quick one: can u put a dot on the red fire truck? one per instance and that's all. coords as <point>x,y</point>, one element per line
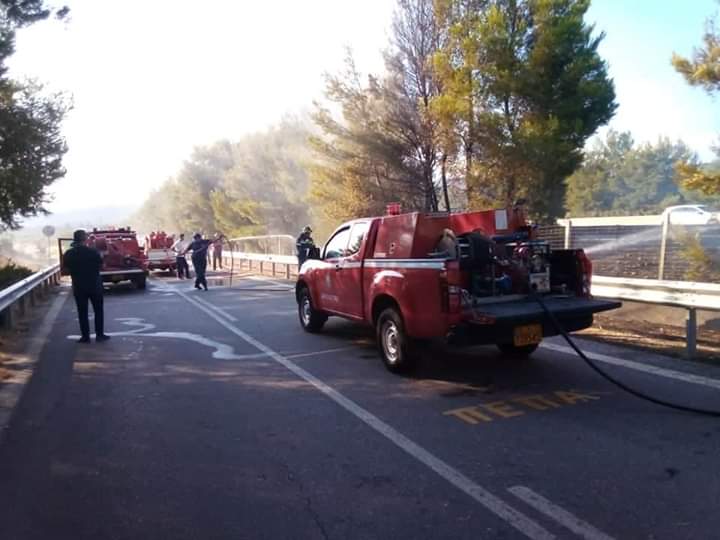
<point>468,278</point>
<point>158,252</point>
<point>123,259</point>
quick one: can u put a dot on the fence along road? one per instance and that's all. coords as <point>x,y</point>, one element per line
<point>18,296</point>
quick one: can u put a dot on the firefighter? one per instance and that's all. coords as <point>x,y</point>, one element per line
<point>84,264</point>
<point>304,245</point>
<point>199,248</point>
<point>217,253</point>
<point>179,247</point>
<point>447,245</point>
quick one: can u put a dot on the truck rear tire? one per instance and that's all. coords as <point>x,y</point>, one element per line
<point>311,319</point>
<point>508,349</point>
<point>396,347</point>
<point>140,282</point>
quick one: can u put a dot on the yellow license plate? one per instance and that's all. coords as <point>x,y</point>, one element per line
<point>527,335</point>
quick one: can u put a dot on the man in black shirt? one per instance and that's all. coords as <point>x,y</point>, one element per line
<point>304,245</point>
<point>84,265</point>
<point>199,248</point>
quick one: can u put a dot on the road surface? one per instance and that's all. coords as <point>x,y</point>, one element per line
<point>212,415</point>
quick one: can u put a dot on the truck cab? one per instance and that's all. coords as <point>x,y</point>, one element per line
<point>467,278</point>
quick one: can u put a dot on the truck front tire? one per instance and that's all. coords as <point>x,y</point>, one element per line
<point>311,319</point>
<point>396,347</point>
<point>508,349</point>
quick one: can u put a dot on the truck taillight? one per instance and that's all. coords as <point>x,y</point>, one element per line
<point>444,292</point>
<point>450,295</point>
<point>585,271</point>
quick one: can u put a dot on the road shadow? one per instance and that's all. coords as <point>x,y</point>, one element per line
<point>478,369</point>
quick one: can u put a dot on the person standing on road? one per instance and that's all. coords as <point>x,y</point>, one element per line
<point>84,264</point>
<point>217,252</point>
<point>199,248</point>
<point>304,245</point>
<point>179,247</point>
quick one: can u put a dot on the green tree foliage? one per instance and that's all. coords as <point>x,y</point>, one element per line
<point>256,185</point>
<point>361,161</point>
<point>385,145</point>
<point>523,89</point>
<point>12,273</point>
<point>31,144</point>
<point>620,177</point>
<point>702,70</point>
<point>702,266</point>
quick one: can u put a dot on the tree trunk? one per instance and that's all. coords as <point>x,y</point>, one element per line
<point>443,170</point>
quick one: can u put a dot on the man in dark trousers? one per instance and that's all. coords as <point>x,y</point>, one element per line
<point>84,265</point>
<point>179,247</point>
<point>304,244</point>
<point>199,248</point>
<point>217,253</point>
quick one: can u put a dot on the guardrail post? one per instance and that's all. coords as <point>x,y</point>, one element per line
<point>663,246</point>
<point>273,269</point>
<point>261,268</point>
<point>7,318</point>
<point>568,232</point>
<point>691,333</point>
<point>287,271</point>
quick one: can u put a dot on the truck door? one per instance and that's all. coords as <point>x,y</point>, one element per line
<point>348,276</point>
<point>63,245</point>
<point>328,273</point>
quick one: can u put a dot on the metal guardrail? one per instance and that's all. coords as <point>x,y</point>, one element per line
<point>266,243</point>
<point>284,266</point>
<point>683,294</point>
<point>16,297</point>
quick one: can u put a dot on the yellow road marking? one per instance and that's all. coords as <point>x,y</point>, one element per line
<point>519,406</point>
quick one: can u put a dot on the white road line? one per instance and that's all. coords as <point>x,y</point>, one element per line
<point>500,508</point>
<point>562,516</point>
<point>11,391</point>
<point>327,351</point>
<point>638,366</point>
<point>217,310</point>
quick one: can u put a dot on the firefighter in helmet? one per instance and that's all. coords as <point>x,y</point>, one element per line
<point>304,245</point>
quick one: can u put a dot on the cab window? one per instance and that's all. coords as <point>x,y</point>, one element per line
<point>357,236</point>
<point>337,245</point>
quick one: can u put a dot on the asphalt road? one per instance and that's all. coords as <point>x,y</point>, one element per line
<point>212,415</point>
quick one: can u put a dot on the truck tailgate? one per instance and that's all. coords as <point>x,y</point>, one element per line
<point>526,309</point>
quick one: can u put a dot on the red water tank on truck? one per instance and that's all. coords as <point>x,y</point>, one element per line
<point>468,278</point>
<point>123,259</point>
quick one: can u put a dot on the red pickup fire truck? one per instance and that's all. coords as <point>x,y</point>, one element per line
<point>468,278</point>
<point>123,260</point>
<point>158,252</point>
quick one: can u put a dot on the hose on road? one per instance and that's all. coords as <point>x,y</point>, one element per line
<point>637,393</point>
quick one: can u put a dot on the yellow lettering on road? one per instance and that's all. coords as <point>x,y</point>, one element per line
<point>573,397</point>
<point>502,409</point>
<point>537,402</point>
<point>471,415</point>
<point>510,408</point>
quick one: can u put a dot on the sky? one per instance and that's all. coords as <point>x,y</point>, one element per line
<point>152,79</point>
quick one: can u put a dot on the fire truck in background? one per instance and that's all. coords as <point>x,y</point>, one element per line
<point>467,278</point>
<point>158,252</point>
<point>123,258</point>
